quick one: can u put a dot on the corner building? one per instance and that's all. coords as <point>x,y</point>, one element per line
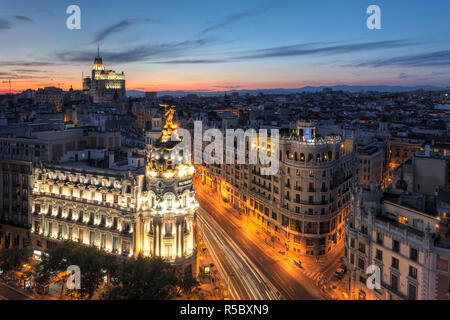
<point>304,205</point>
<point>147,211</point>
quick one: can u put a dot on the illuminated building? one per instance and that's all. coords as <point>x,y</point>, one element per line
<point>127,209</point>
<point>400,233</point>
<point>304,205</point>
<point>17,154</point>
<point>402,150</point>
<point>50,95</point>
<point>104,85</point>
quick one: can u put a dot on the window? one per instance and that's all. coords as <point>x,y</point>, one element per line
<point>413,254</point>
<point>379,238</point>
<point>412,272</point>
<point>412,292</point>
<point>352,242</point>
<point>379,255</point>
<point>361,264</point>
<point>103,241</point>
<point>395,263</point>
<point>394,282</point>
<point>363,229</point>
<point>403,220</point>
<point>395,246</point>
<point>362,248</point>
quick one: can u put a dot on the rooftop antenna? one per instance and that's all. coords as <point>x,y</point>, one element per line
<point>98,49</point>
<point>9,81</point>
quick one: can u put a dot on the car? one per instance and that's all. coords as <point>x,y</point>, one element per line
<point>339,274</point>
<point>298,264</point>
<point>342,269</point>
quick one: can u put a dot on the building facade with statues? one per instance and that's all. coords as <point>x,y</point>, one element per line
<point>141,208</point>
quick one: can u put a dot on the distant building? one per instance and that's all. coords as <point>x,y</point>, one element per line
<point>104,85</point>
<point>50,95</point>
<point>374,156</point>
<point>424,172</point>
<point>402,150</point>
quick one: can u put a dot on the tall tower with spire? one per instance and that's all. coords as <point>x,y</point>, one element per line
<point>104,85</point>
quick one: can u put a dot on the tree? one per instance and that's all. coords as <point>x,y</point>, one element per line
<point>94,265</point>
<point>188,287</point>
<point>151,279</point>
<point>13,258</point>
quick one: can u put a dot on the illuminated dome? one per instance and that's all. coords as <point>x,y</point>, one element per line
<point>168,202</point>
<point>164,160</point>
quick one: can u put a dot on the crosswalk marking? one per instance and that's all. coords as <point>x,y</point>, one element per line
<point>312,274</point>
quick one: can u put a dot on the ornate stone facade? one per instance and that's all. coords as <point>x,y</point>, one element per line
<point>304,205</point>
<point>142,211</point>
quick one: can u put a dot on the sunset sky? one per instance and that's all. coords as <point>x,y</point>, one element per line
<point>222,45</point>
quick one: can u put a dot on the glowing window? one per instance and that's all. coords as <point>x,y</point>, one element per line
<point>403,220</point>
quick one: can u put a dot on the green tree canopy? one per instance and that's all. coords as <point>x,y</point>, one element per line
<point>94,264</point>
<point>152,279</point>
<point>13,258</point>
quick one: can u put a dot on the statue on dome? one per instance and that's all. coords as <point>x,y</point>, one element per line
<point>169,126</point>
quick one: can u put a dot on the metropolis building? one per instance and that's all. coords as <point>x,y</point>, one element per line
<point>104,85</point>
<point>304,205</point>
<point>128,210</point>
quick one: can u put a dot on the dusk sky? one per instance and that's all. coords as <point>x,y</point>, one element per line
<point>223,45</point>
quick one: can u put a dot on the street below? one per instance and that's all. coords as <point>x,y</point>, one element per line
<point>282,275</point>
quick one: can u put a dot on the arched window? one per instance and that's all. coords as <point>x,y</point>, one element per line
<point>302,157</point>
<point>310,157</point>
<point>318,157</point>
<point>330,155</point>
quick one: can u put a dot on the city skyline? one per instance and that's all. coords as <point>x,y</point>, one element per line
<point>205,46</point>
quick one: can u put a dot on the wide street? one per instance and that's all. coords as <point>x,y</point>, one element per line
<point>6,293</point>
<point>243,278</point>
<point>285,277</point>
